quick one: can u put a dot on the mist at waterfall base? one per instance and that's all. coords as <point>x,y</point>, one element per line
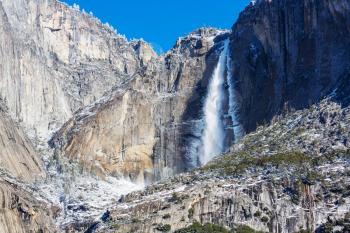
<point>214,133</point>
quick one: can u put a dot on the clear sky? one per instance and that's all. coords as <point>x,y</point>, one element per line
<point>161,22</point>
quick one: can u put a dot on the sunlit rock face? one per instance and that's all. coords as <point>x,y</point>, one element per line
<point>137,130</point>
<point>290,53</point>
<point>21,210</point>
<point>59,60</point>
<point>56,59</point>
<point>17,155</point>
<point>141,116</point>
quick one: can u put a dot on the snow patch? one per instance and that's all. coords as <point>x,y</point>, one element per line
<point>86,197</point>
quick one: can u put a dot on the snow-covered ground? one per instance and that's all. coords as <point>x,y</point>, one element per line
<point>84,198</point>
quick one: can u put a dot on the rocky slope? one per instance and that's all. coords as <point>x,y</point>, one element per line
<point>130,101</point>
<point>289,176</point>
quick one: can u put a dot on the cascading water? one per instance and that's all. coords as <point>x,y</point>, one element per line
<point>214,133</point>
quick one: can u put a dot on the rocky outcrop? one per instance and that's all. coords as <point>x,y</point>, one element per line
<point>22,211</point>
<point>263,203</point>
<point>295,185</point>
<point>54,60</point>
<point>290,53</point>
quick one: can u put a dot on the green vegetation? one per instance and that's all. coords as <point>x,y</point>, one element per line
<point>212,228</point>
<point>190,213</point>
<point>135,220</point>
<point>239,162</point>
<point>264,219</point>
<point>207,228</point>
<point>115,226</point>
<point>163,228</point>
<point>330,225</point>
<point>245,229</point>
<point>166,216</point>
<point>176,198</point>
<point>304,231</point>
<point>257,214</point>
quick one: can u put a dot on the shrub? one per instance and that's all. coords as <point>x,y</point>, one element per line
<point>240,162</point>
<point>207,228</point>
<point>175,198</point>
<point>245,229</point>
<point>264,219</point>
<point>304,231</point>
<point>257,214</point>
<point>115,226</point>
<point>163,228</point>
<point>190,212</point>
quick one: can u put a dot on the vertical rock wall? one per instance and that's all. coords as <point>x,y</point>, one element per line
<point>56,59</point>
<point>290,53</point>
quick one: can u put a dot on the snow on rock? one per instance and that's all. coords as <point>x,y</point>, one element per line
<point>83,198</point>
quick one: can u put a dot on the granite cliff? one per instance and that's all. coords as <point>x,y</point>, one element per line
<point>137,130</point>
<point>294,54</point>
<point>283,54</point>
<point>87,116</point>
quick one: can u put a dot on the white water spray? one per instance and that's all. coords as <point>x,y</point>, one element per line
<point>214,133</point>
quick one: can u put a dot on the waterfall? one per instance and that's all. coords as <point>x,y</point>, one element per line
<point>214,133</point>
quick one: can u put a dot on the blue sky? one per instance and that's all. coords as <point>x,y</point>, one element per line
<point>161,22</point>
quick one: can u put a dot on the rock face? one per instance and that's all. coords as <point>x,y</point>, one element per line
<point>79,102</point>
<point>290,53</point>
<point>59,60</point>
<point>17,154</point>
<point>137,131</point>
<point>56,59</point>
<point>271,181</point>
<point>283,53</point>
<point>20,211</point>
